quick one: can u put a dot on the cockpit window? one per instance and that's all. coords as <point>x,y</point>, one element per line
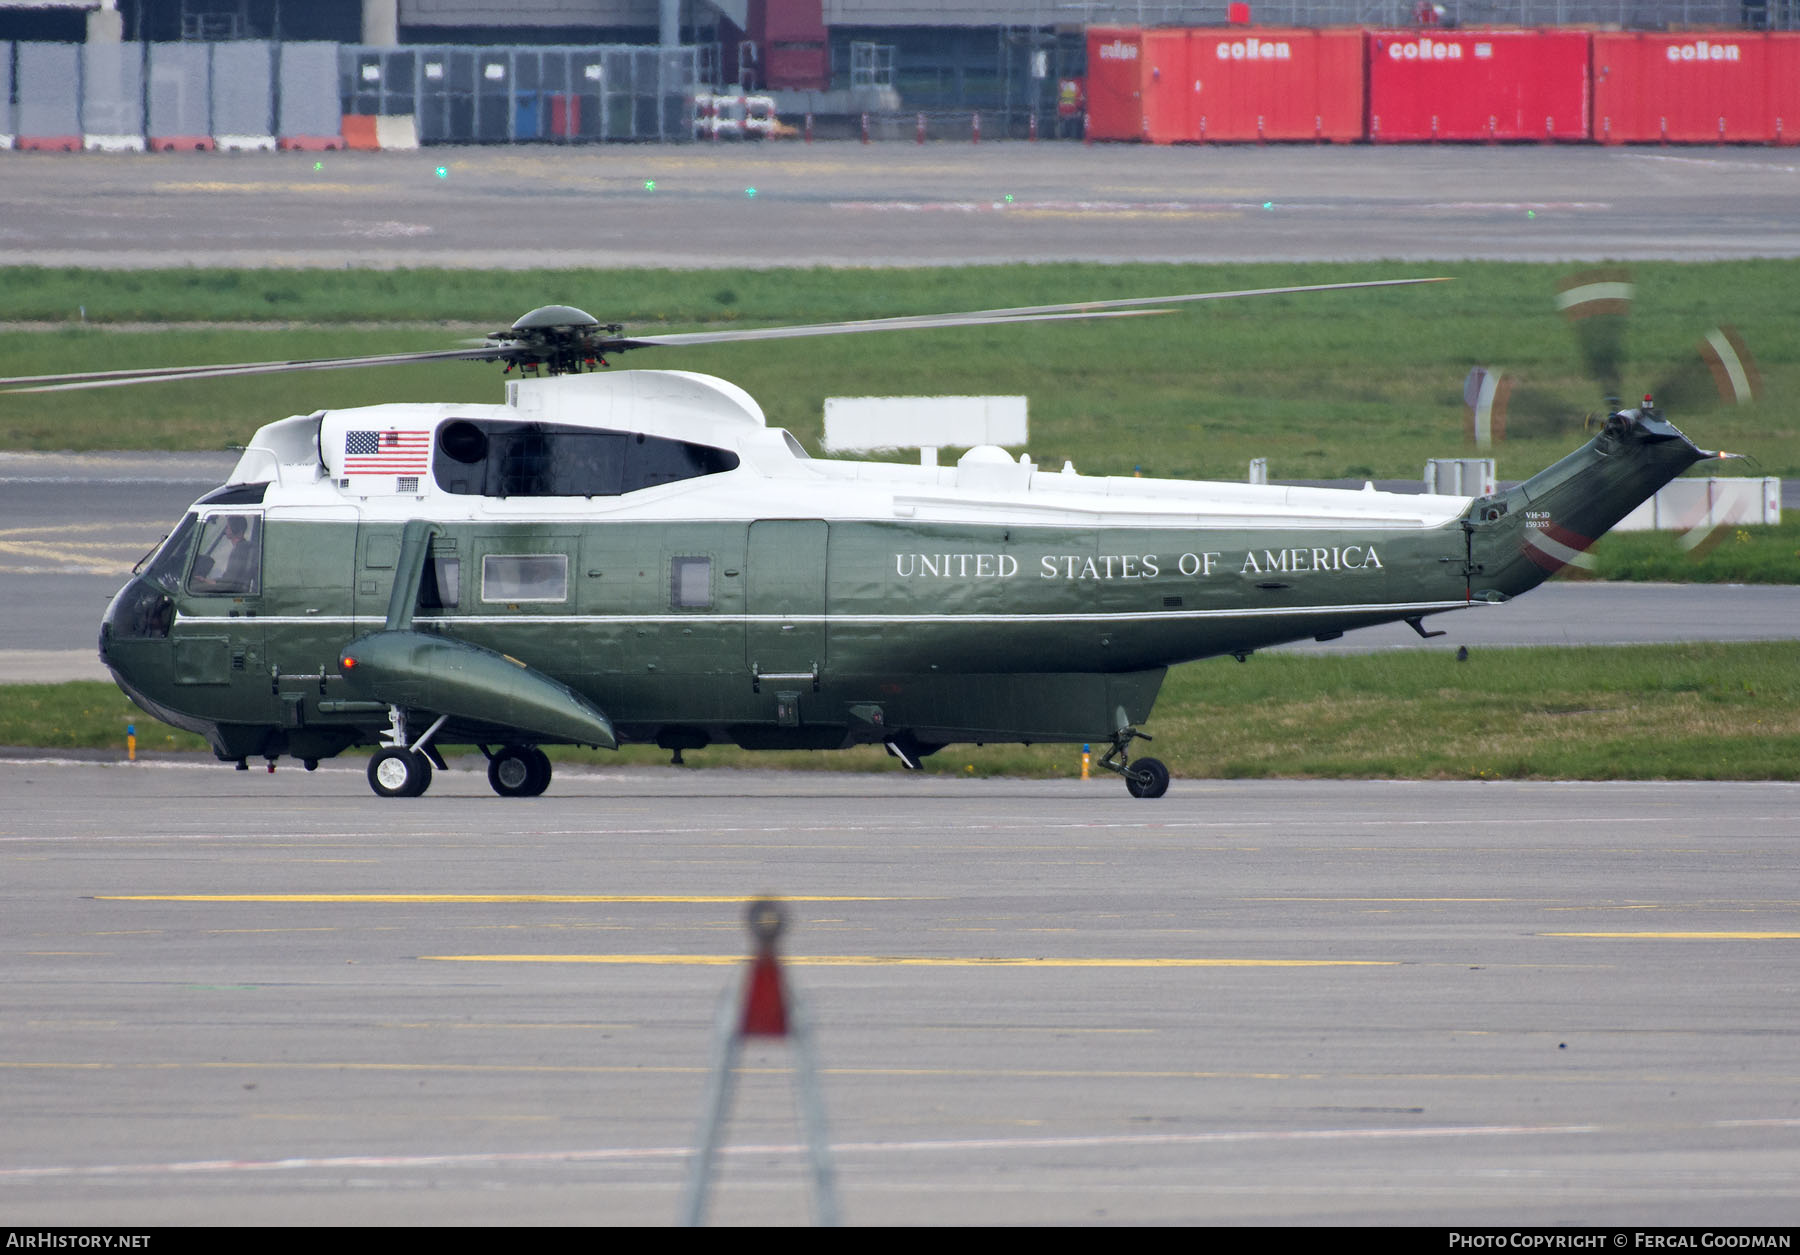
<point>165,566</point>
<point>501,458</point>
<point>229,560</point>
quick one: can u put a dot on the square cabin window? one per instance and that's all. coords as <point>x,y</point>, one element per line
<point>690,583</point>
<point>525,577</point>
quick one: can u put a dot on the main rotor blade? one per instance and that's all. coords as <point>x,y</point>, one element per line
<point>1115,308</point>
<point>989,317</point>
<point>1125,302</point>
<point>160,374</point>
<point>923,322</point>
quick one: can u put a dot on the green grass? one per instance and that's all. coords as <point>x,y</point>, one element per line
<point>1677,712</point>
<point>1730,555</point>
<point>1324,385</point>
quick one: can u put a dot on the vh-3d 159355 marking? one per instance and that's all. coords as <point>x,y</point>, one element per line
<point>636,556</point>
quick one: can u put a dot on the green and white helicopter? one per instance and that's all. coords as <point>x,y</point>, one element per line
<point>636,556</point>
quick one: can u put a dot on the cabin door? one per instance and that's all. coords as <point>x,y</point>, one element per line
<point>784,612</point>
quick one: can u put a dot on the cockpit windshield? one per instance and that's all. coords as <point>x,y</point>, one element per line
<point>165,565</point>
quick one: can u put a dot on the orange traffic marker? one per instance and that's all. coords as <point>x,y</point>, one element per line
<point>764,1007</point>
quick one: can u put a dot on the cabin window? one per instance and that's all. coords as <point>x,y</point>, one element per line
<point>229,560</point>
<point>525,577</point>
<point>502,458</point>
<point>690,583</point>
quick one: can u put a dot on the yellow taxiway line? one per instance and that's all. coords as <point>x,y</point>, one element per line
<point>1675,936</point>
<point>890,960</point>
<point>461,898</point>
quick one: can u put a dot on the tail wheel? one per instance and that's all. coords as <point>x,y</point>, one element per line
<point>1146,777</point>
<point>519,771</point>
<point>397,772</point>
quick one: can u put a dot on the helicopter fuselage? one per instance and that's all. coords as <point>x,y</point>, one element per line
<point>637,557</point>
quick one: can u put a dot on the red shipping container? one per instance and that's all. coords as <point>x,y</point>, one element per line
<point>1276,84</point>
<point>1691,88</point>
<point>1168,98</point>
<point>1115,108</point>
<point>1478,85</point>
<point>1784,87</point>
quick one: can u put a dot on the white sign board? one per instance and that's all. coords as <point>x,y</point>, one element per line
<point>861,423</point>
<point>1685,504</point>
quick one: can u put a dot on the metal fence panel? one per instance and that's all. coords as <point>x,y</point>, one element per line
<point>496,95</point>
<point>112,95</point>
<point>6,94</point>
<point>243,83</point>
<point>49,85</point>
<point>308,73</point>
<point>179,98</point>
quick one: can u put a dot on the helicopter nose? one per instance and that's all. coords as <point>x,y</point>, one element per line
<point>140,611</point>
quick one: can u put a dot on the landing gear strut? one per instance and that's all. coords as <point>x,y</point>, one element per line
<point>399,769</point>
<point>399,772</point>
<point>1147,777</point>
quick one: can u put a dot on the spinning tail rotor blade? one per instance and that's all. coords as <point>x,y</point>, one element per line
<point>1500,406</point>
<point>1596,304</point>
<point>1723,373</point>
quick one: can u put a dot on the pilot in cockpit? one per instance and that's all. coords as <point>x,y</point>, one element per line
<point>228,548</point>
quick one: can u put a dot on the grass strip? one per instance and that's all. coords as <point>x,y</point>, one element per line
<point>1327,385</point>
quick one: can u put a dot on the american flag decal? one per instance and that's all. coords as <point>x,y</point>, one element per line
<point>387,452</point>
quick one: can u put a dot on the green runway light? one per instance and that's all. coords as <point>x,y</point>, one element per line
<point>649,185</point>
<point>1268,204</point>
<point>443,172</point>
<point>1009,199</point>
<point>750,192</point>
<point>1531,213</point>
<point>318,165</point>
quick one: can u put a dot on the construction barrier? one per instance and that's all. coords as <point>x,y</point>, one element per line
<point>6,94</point>
<point>48,82</point>
<point>308,116</point>
<point>178,97</point>
<point>243,84</point>
<point>112,98</point>
<point>1161,85</point>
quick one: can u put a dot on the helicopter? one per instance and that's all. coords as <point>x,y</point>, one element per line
<point>635,556</point>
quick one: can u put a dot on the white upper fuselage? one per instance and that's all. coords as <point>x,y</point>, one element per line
<point>303,460</point>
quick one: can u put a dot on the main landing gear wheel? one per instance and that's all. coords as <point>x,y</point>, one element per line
<point>1146,777</point>
<point>519,771</point>
<point>397,772</point>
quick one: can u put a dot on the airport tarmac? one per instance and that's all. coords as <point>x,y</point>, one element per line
<point>896,204</point>
<point>241,998</point>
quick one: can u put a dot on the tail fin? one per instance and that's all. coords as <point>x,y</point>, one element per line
<point>1520,537</point>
